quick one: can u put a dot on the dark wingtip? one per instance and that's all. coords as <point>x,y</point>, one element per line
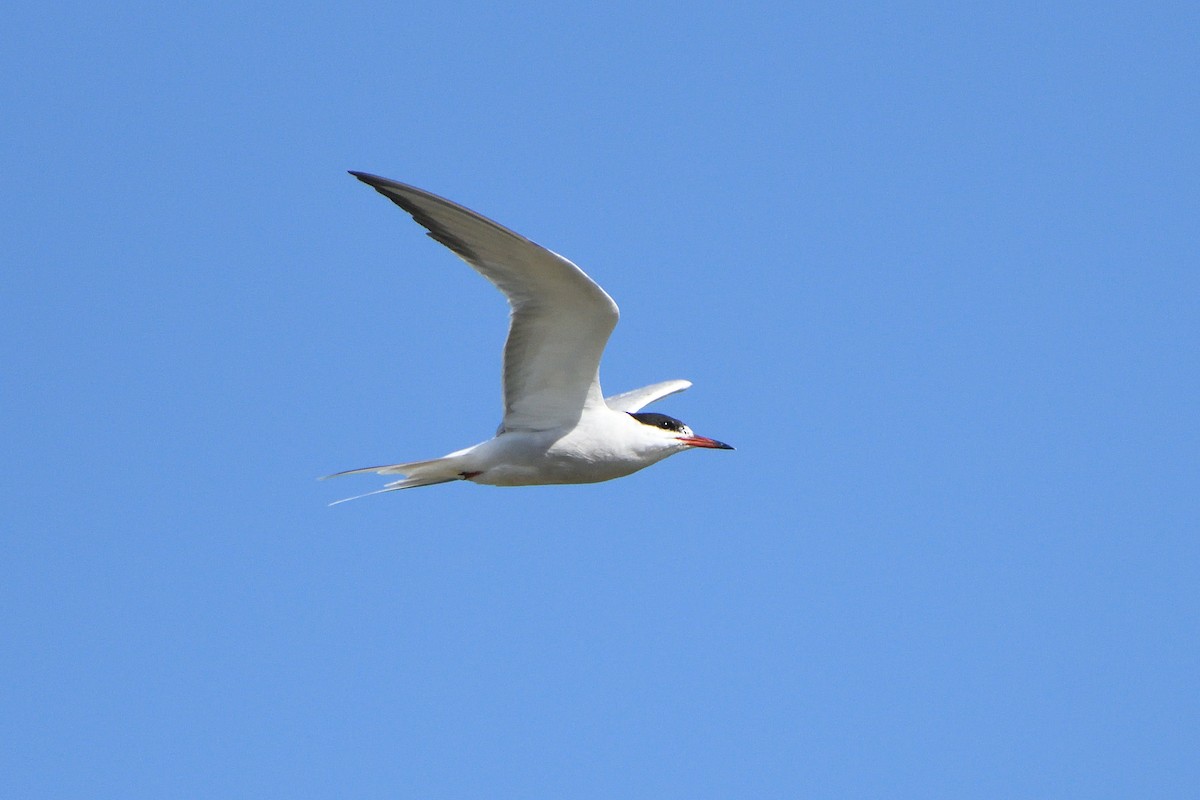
<point>366,177</point>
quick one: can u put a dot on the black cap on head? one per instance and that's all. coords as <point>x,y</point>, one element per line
<point>660,421</point>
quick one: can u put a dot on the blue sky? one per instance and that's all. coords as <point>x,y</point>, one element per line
<point>932,268</point>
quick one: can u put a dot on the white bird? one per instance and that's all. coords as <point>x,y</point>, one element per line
<point>558,427</point>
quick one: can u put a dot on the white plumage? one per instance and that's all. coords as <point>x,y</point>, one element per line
<point>558,427</point>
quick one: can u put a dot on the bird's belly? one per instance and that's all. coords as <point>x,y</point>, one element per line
<point>554,467</point>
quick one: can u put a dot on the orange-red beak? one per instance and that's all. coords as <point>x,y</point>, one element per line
<point>704,441</point>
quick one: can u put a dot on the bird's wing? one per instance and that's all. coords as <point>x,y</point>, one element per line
<point>561,318</point>
<point>638,399</point>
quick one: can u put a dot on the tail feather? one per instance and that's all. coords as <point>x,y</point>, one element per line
<point>409,468</point>
<point>418,473</point>
<point>395,486</point>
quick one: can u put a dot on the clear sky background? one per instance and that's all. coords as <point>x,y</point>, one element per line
<point>932,268</point>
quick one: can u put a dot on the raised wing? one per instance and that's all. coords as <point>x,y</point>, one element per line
<point>638,399</point>
<point>561,319</point>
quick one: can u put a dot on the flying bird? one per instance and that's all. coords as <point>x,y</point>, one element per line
<point>558,426</point>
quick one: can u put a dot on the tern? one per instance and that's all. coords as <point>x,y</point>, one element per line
<point>558,426</point>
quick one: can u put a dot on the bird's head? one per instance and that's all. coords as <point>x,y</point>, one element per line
<point>674,434</point>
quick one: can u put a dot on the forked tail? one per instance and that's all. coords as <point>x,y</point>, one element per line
<point>417,473</point>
